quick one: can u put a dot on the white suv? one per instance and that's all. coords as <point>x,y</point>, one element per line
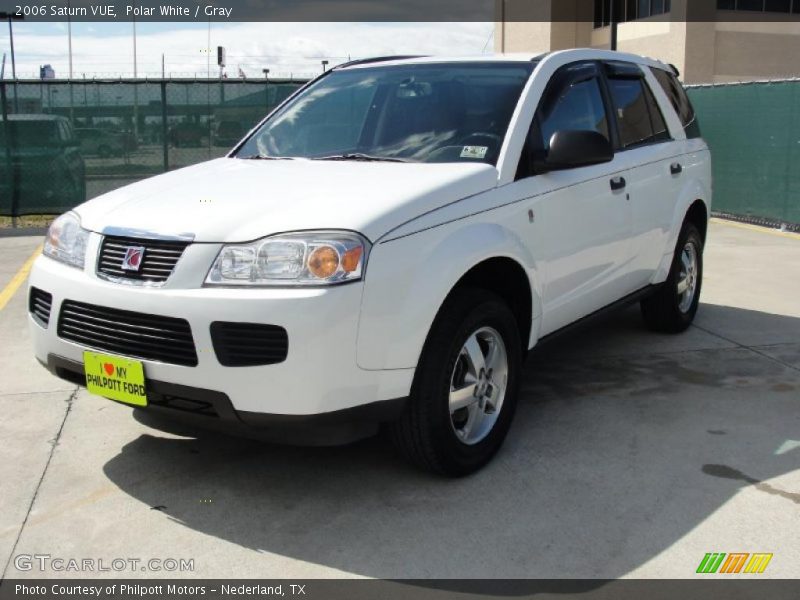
<point>384,248</point>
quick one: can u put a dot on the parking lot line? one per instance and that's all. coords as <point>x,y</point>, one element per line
<point>18,279</point>
<point>758,228</point>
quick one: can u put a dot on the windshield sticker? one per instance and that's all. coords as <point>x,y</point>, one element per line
<point>474,152</point>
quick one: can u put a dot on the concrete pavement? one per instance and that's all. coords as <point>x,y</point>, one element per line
<point>632,455</point>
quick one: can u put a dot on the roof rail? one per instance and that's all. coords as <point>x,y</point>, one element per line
<point>377,59</point>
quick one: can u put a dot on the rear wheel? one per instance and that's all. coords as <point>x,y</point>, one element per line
<point>673,308</point>
<point>465,389</point>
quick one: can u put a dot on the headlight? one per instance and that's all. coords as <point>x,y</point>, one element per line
<point>66,240</point>
<point>303,258</point>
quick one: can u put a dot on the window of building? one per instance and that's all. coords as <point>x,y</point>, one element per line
<point>771,6</point>
<point>628,10</point>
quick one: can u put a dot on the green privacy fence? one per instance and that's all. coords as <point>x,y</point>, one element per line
<point>62,142</point>
<point>753,130</point>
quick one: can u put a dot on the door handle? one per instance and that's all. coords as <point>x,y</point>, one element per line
<point>676,168</point>
<point>618,183</point>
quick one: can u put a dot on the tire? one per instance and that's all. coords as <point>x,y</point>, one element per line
<point>669,310</point>
<point>461,443</point>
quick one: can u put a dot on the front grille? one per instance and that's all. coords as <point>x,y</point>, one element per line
<point>249,344</point>
<point>138,335</point>
<point>158,262</point>
<point>39,305</point>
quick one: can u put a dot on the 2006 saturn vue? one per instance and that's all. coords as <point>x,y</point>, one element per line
<point>384,248</point>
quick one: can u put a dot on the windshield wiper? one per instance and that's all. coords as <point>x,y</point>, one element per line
<point>363,157</point>
<point>265,157</point>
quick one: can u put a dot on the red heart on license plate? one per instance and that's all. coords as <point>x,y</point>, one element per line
<point>109,368</point>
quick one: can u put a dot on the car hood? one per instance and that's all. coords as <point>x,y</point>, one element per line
<point>236,200</point>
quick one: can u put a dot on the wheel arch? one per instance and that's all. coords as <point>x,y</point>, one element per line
<point>694,206</point>
<point>697,214</point>
<point>507,278</point>
<point>409,279</point>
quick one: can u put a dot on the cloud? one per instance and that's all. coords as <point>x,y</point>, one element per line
<point>284,48</point>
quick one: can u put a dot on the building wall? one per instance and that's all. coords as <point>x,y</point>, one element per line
<point>705,44</point>
<point>751,51</point>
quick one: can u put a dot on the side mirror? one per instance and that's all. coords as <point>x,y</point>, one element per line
<point>570,149</point>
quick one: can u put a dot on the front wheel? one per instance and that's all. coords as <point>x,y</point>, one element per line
<point>672,309</point>
<point>465,389</point>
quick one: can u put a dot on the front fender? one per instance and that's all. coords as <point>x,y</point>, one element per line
<point>408,279</point>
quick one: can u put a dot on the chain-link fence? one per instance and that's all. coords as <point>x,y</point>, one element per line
<point>63,142</point>
<point>753,130</point>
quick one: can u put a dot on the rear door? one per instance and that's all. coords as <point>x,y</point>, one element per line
<point>652,156</point>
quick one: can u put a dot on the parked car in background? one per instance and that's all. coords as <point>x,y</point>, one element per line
<point>47,172</point>
<point>384,249</point>
<point>187,135</point>
<point>228,133</point>
<point>104,142</point>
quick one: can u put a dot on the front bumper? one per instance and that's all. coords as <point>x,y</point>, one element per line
<point>213,410</point>
<point>320,374</point>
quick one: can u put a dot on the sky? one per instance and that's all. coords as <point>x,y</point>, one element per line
<point>297,49</point>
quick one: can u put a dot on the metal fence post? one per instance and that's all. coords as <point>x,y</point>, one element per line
<point>13,180</point>
<point>164,140</point>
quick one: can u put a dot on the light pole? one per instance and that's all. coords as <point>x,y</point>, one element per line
<point>71,87</point>
<point>134,48</point>
<point>11,17</point>
<point>614,24</point>
<point>135,88</point>
<point>266,87</point>
<point>69,39</point>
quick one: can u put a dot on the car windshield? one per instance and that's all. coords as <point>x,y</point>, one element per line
<point>456,112</point>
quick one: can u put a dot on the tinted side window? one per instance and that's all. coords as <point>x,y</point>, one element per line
<point>659,125</point>
<point>578,107</point>
<point>680,101</point>
<point>633,114</point>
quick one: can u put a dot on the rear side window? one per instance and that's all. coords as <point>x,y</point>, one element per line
<point>660,131</point>
<point>680,101</point>
<point>638,118</point>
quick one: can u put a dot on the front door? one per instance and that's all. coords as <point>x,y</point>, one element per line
<point>583,220</point>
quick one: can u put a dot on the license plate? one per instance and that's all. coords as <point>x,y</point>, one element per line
<point>120,379</point>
